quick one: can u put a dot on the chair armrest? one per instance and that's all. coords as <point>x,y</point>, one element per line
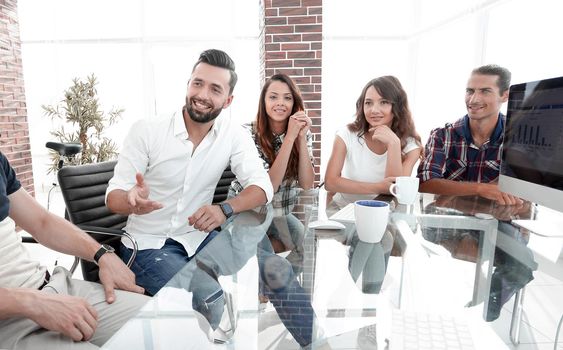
<point>95,230</point>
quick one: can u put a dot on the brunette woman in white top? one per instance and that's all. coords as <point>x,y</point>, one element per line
<point>378,146</point>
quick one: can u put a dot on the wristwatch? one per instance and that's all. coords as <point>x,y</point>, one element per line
<point>226,209</point>
<point>105,248</point>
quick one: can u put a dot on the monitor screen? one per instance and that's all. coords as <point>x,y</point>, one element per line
<point>532,157</point>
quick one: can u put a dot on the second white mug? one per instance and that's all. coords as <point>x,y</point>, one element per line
<point>405,189</point>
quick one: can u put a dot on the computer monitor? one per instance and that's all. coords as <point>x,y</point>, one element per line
<point>532,156</point>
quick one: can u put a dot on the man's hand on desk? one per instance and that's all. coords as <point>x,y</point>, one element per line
<point>473,205</point>
<point>138,198</point>
<point>207,218</point>
<point>508,212</point>
<point>492,192</point>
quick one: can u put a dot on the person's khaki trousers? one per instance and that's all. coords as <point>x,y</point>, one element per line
<point>20,333</point>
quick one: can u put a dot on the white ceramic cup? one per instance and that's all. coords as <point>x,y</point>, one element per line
<point>371,219</point>
<point>405,189</point>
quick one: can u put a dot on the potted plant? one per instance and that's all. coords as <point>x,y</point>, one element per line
<point>81,109</point>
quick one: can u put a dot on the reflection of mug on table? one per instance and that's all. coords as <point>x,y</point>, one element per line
<point>371,219</point>
<point>405,189</point>
<point>369,260</point>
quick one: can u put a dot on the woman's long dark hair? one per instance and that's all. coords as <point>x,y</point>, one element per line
<point>264,131</point>
<point>389,88</point>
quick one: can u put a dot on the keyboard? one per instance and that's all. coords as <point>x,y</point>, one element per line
<point>420,331</point>
<point>345,214</point>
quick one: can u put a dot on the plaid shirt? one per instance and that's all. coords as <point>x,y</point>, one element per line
<point>286,196</point>
<point>451,154</point>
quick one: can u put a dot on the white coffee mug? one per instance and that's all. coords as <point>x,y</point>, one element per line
<point>371,219</point>
<point>405,189</point>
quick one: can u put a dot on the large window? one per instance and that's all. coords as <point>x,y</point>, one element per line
<point>431,46</point>
<point>142,52</point>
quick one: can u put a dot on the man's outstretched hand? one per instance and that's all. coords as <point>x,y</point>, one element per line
<point>138,198</point>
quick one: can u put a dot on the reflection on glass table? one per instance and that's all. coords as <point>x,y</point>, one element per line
<point>268,281</point>
<point>271,258</point>
<point>512,261</point>
<point>197,306</point>
<point>370,261</point>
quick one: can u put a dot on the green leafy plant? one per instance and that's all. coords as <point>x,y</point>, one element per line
<point>81,109</point>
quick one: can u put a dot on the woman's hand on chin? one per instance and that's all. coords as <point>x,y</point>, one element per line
<point>385,135</point>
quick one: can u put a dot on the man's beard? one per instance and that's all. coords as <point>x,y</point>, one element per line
<point>201,117</point>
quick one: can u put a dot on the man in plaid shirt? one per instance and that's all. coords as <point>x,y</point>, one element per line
<point>463,158</point>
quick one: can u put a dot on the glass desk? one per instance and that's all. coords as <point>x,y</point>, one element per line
<point>267,281</point>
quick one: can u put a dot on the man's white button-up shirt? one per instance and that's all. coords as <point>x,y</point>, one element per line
<point>181,179</point>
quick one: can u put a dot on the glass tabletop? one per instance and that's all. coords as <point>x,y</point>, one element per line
<point>268,281</point>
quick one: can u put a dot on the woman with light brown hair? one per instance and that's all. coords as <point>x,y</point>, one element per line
<point>381,144</point>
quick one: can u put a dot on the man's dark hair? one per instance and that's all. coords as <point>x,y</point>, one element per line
<point>502,73</point>
<point>219,59</point>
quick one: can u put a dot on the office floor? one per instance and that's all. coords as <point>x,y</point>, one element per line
<point>543,307</point>
<point>543,302</point>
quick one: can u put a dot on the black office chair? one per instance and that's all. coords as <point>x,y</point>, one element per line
<point>222,189</point>
<point>84,187</point>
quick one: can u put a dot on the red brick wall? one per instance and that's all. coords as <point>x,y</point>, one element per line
<point>291,43</point>
<point>14,132</point>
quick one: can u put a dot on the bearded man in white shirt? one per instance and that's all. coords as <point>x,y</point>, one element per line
<point>168,170</point>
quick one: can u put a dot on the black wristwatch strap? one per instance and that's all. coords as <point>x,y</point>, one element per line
<point>105,248</point>
<point>226,209</point>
